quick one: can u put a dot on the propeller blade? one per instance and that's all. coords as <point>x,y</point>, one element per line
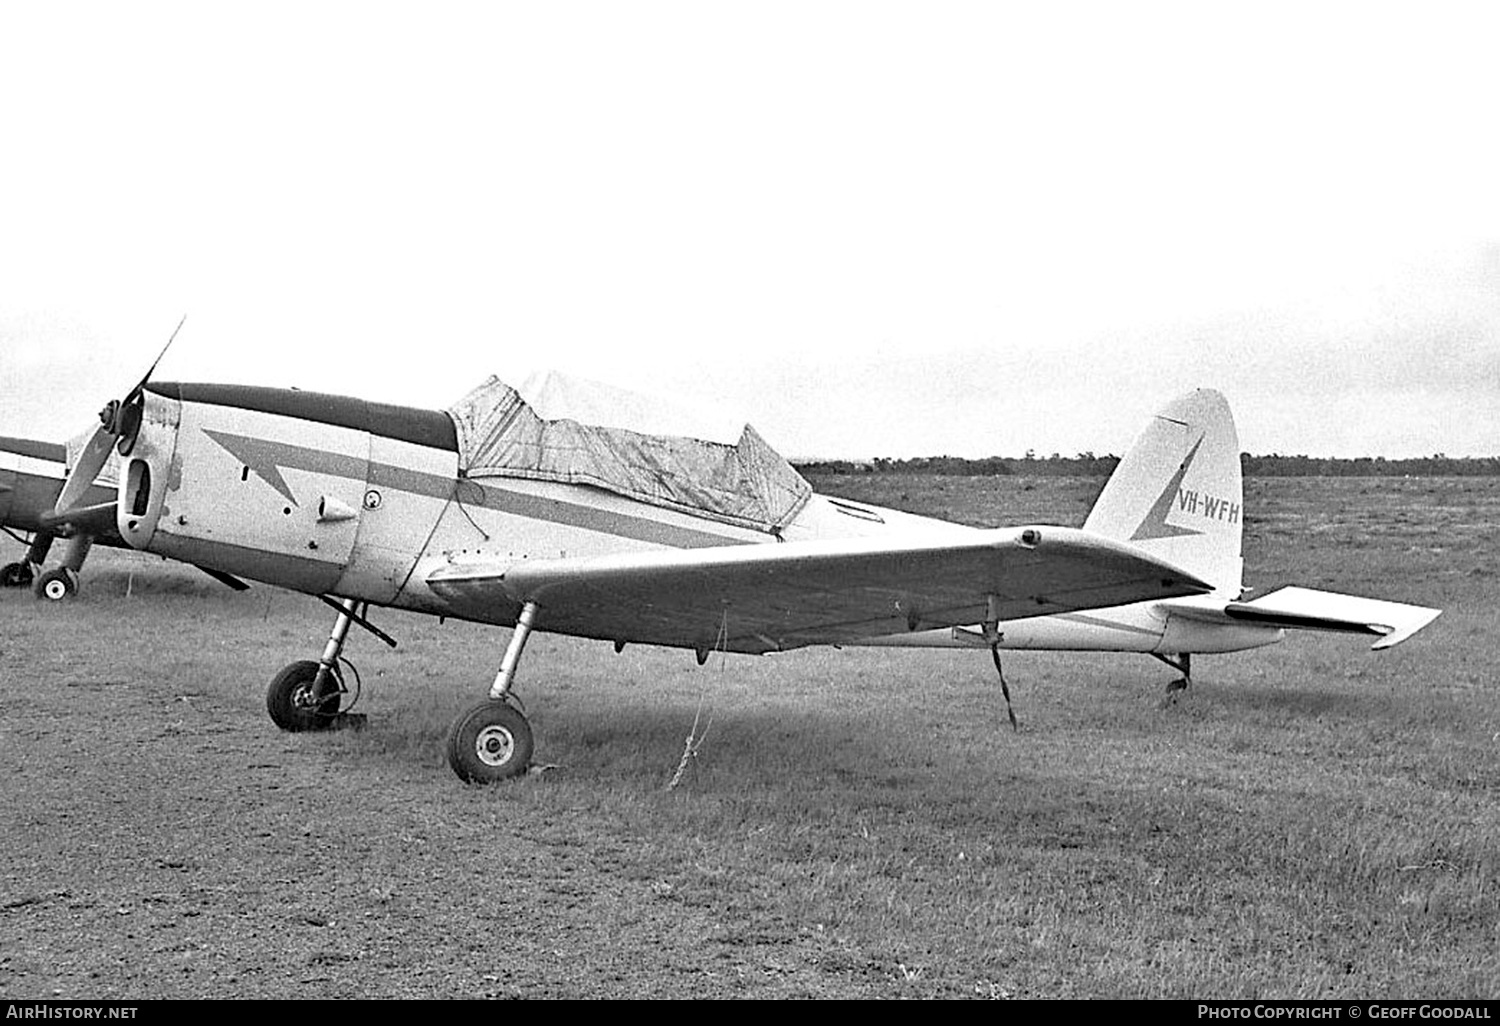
<point>90,462</point>
<point>140,386</point>
<point>96,521</point>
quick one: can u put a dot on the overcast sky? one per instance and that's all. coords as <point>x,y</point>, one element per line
<point>869,228</point>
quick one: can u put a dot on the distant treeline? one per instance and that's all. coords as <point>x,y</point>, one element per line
<point>1086,464</point>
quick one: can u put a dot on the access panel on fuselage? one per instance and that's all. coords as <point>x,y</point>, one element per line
<point>264,496</point>
<point>408,488</point>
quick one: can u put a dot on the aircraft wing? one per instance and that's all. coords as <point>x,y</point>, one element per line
<point>1308,608</point>
<point>770,596</point>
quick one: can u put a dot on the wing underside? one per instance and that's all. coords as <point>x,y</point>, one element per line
<point>767,597</point>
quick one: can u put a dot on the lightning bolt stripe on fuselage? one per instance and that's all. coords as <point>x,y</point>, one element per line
<point>333,495</point>
<point>266,459</point>
<point>429,428</point>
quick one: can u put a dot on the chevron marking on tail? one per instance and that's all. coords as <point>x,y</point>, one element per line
<point>1155,523</point>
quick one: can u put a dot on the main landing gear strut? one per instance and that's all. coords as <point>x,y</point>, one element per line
<point>61,582</point>
<point>306,695</point>
<point>492,741</point>
<point>21,574</point>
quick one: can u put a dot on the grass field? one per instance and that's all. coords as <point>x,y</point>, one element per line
<point>1311,820</point>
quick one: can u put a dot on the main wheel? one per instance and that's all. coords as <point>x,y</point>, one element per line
<point>490,742</point>
<point>56,584</point>
<point>15,575</point>
<point>293,705</point>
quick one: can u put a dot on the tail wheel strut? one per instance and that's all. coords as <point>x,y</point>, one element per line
<point>1183,664</point>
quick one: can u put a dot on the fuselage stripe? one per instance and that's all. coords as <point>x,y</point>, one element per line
<point>1114,625</point>
<point>267,459</point>
<point>592,518</point>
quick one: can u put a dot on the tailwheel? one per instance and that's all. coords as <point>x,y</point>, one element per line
<point>298,702</point>
<point>56,584</point>
<point>490,742</point>
<point>1182,664</point>
<point>16,575</point>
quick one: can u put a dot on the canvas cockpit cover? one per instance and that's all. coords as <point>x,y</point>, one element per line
<point>746,482</point>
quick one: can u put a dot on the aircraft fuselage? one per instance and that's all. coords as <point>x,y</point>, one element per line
<point>361,500</point>
<point>339,496</point>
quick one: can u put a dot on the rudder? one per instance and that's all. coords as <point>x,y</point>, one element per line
<point>1178,493</point>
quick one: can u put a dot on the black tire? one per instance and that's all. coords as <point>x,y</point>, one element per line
<point>56,584</point>
<point>15,575</point>
<point>489,743</point>
<point>292,704</point>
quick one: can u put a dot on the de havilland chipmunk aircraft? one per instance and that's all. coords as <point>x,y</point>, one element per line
<point>32,473</point>
<point>538,514</point>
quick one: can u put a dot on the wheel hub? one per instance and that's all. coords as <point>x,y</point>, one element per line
<point>494,746</point>
<point>306,698</point>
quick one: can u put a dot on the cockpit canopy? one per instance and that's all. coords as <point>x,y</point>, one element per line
<point>582,441</point>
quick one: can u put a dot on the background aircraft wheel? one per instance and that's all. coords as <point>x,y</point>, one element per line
<point>292,704</point>
<point>15,575</point>
<point>490,742</point>
<point>56,584</point>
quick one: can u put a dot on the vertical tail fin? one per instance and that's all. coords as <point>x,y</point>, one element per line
<point>1178,494</point>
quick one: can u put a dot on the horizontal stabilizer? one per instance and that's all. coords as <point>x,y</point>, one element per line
<point>1310,609</point>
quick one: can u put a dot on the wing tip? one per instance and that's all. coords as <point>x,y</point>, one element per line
<point>1394,634</point>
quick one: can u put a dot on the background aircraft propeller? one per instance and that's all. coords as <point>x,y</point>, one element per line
<point>119,423</point>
